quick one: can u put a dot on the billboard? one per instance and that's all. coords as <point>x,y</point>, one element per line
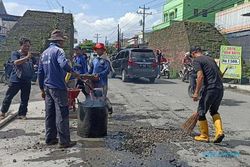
<point>231,58</point>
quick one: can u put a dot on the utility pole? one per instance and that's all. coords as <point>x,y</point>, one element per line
<point>122,43</point>
<point>97,36</point>
<point>118,38</point>
<point>144,13</point>
<point>106,40</point>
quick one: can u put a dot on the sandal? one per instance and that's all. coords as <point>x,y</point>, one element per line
<point>2,116</point>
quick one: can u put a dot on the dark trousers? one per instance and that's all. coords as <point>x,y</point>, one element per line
<point>210,100</point>
<point>13,89</point>
<point>57,115</point>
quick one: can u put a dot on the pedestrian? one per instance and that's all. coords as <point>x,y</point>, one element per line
<point>158,59</point>
<point>209,75</point>
<point>51,73</point>
<point>20,79</point>
<point>105,56</point>
<point>101,67</point>
<point>80,66</point>
<point>79,61</point>
<point>84,53</point>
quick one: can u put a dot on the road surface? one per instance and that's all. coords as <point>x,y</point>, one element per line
<point>143,131</point>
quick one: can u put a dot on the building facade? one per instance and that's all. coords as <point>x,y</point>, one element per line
<point>234,23</point>
<point>193,10</point>
<point>6,21</point>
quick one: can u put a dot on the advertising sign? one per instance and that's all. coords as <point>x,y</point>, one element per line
<point>230,57</point>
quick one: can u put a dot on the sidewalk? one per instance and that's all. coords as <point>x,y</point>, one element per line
<point>22,143</point>
<point>237,86</point>
<point>13,111</point>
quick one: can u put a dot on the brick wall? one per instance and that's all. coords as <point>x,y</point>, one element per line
<point>37,26</point>
<point>176,40</point>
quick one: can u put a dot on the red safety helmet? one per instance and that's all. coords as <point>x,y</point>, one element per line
<point>99,46</point>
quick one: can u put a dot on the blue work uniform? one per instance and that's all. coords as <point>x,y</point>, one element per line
<point>80,64</point>
<point>17,84</point>
<point>51,73</point>
<point>101,67</point>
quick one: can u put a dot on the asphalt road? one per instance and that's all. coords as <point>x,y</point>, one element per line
<point>143,131</point>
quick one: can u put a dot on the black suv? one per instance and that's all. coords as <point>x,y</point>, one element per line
<point>135,63</point>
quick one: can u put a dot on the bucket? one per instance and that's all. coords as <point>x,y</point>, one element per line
<point>92,119</point>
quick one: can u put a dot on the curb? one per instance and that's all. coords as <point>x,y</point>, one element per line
<point>8,118</point>
<point>239,87</point>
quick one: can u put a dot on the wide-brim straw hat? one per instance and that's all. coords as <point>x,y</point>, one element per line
<point>57,35</point>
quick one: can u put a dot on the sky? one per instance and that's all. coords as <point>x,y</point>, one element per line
<point>96,16</point>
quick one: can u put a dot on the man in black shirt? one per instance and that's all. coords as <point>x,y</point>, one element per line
<point>208,73</point>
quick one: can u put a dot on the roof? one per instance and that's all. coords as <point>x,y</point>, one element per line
<point>137,49</point>
<point>7,17</point>
<point>2,8</point>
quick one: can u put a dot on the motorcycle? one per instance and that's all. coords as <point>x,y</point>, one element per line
<point>165,70</point>
<point>192,84</point>
<point>185,72</point>
<point>7,69</point>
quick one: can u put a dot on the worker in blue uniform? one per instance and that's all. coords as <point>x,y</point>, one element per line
<point>101,68</point>
<point>80,66</point>
<point>53,67</point>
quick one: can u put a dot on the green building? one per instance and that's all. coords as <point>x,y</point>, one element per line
<point>193,10</point>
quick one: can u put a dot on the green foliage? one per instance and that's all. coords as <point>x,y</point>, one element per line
<point>173,73</point>
<point>246,70</point>
<point>110,49</point>
<point>87,45</point>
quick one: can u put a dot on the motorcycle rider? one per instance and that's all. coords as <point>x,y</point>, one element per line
<point>158,59</point>
<point>186,62</point>
<point>208,73</point>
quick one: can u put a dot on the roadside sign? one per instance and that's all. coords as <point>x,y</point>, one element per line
<point>230,57</point>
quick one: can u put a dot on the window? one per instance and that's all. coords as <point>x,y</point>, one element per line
<point>240,2</point>
<point>166,17</point>
<point>175,13</point>
<point>196,12</point>
<point>204,13</point>
<point>122,55</point>
<point>118,56</point>
<point>127,54</point>
<point>171,16</point>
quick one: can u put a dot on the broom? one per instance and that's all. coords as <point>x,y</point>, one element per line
<point>189,125</point>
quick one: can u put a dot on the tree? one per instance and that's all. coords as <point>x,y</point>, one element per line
<point>87,45</point>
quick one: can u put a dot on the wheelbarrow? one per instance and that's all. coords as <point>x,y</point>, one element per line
<point>72,95</point>
<point>74,92</point>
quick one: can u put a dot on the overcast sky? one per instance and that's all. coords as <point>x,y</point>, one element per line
<point>96,16</point>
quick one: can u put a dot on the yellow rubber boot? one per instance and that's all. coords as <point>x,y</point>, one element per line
<point>219,134</point>
<point>203,137</point>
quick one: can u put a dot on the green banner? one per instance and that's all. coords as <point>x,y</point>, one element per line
<point>231,58</point>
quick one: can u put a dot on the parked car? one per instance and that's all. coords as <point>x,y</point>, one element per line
<point>134,63</point>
